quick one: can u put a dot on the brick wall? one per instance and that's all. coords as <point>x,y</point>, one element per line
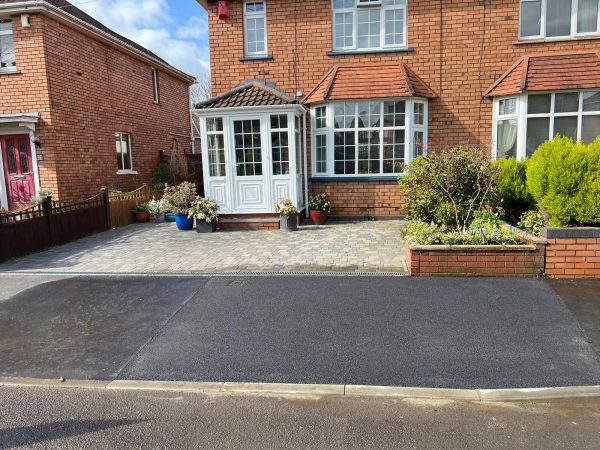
<point>86,91</point>
<point>460,48</point>
<point>465,260</point>
<point>572,252</point>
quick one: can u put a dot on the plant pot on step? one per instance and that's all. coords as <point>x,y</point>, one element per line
<point>318,217</point>
<point>288,222</point>
<point>183,223</point>
<point>159,218</point>
<point>206,227</point>
<point>141,217</point>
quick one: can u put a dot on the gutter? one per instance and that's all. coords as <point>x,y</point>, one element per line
<point>38,6</point>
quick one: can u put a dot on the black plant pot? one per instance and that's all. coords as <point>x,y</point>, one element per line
<point>288,222</point>
<point>206,227</point>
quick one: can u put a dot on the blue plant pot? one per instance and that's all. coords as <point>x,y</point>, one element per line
<point>170,217</point>
<point>183,223</point>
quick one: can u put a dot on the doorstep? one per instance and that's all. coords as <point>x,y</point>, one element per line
<point>245,224</point>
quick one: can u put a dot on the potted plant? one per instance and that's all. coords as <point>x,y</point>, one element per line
<point>158,208</point>
<point>288,214</point>
<point>206,213</point>
<point>319,209</point>
<point>141,213</point>
<point>180,198</point>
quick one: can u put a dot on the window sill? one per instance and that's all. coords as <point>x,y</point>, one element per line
<point>369,52</point>
<point>556,39</point>
<point>127,172</point>
<point>9,71</point>
<point>256,58</point>
<point>345,179</point>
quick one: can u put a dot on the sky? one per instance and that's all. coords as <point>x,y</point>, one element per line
<point>176,30</point>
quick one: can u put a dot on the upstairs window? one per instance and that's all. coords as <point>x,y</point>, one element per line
<point>559,18</point>
<point>7,47</point>
<point>255,28</point>
<point>155,89</point>
<point>369,24</point>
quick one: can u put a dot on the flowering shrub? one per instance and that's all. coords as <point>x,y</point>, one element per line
<point>181,197</point>
<point>285,207</point>
<point>421,233</point>
<point>41,195</point>
<point>532,222</point>
<point>320,202</point>
<point>205,209</point>
<point>158,206</point>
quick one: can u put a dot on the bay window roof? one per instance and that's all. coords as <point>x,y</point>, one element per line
<point>369,81</point>
<point>549,72</point>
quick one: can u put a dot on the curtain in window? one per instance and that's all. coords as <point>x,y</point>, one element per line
<point>587,16</point>
<point>507,138</point>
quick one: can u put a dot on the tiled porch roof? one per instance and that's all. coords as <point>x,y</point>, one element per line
<point>249,94</point>
<point>547,72</point>
<point>369,81</point>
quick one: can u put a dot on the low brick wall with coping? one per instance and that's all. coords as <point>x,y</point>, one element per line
<point>572,252</point>
<point>525,260</point>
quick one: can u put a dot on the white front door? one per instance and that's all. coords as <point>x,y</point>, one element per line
<point>251,178</point>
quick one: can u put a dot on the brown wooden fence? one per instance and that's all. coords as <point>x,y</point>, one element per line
<point>122,203</point>
<point>52,223</point>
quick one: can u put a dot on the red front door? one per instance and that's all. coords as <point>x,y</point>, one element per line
<point>18,170</point>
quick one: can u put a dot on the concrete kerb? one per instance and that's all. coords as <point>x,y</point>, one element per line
<point>316,390</point>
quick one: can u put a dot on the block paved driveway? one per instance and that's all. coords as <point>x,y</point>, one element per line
<point>399,331</point>
<point>161,248</point>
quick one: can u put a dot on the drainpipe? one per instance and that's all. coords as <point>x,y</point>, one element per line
<point>305,167</point>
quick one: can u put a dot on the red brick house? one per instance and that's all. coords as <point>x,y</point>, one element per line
<point>379,82</point>
<point>71,92</point>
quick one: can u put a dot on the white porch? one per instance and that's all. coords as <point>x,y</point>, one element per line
<point>253,150</point>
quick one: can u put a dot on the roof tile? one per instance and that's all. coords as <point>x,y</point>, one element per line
<point>249,94</point>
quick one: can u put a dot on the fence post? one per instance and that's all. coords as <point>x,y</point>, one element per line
<point>47,208</point>
<point>106,197</point>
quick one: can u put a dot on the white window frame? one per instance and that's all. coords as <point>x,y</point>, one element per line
<point>373,4</point>
<point>522,116</point>
<point>9,32</point>
<point>573,32</point>
<point>218,163</point>
<point>155,86</point>
<point>122,135</point>
<point>329,131</point>
<point>254,15</point>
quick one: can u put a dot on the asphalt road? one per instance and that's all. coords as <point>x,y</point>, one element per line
<point>438,332</point>
<point>61,418</point>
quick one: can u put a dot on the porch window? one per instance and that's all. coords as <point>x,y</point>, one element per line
<point>368,137</point>
<point>369,24</point>
<point>280,147</point>
<point>255,28</point>
<point>559,18</point>
<point>248,147</point>
<point>523,123</point>
<point>123,144</point>
<point>7,47</point>
<point>215,144</point>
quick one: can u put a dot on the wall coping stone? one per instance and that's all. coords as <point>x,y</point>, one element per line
<point>482,248</point>
<point>571,233</point>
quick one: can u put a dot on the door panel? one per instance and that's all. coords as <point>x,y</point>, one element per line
<point>18,170</point>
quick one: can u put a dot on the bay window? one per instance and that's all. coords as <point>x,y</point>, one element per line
<point>255,28</point>
<point>368,138</point>
<point>369,24</point>
<point>7,47</point>
<point>522,123</point>
<point>559,18</point>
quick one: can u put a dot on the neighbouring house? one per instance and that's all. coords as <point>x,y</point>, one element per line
<point>337,96</point>
<point>81,107</point>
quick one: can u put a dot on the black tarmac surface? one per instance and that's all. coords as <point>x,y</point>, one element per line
<point>439,332</point>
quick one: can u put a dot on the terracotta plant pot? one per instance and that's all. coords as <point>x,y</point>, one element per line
<point>318,217</point>
<point>141,217</point>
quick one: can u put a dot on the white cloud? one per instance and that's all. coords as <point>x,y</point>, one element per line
<point>151,24</point>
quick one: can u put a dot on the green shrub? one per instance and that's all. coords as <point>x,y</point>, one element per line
<point>161,175</point>
<point>512,188</point>
<point>565,176</point>
<point>420,233</point>
<point>450,188</point>
<point>532,222</point>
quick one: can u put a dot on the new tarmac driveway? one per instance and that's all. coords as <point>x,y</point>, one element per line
<point>439,332</point>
